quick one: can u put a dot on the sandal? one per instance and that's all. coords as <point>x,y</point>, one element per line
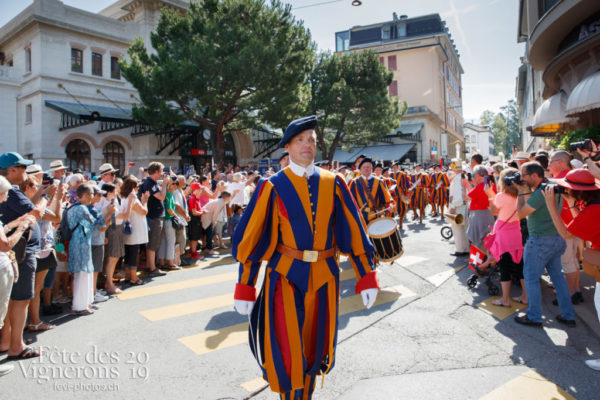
<point>42,326</point>
<point>499,304</point>
<point>139,282</point>
<point>519,300</point>
<point>25,354</point>
<point>114,291</point>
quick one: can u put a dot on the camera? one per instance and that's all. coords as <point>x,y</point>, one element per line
<point>516,179</point>
<point>583,145</point>
<point>557,188</point>
<point>469,176</point>
<point>47,180</point>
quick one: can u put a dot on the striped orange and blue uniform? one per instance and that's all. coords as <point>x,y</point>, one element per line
<point>439,196</point>
<point>418,197</point>
<point>294,322</point>
<point>379,192</point>
<point>402,185</point>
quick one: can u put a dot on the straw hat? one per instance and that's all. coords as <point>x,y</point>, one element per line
<point>106,168</point>
<point>56,165</point>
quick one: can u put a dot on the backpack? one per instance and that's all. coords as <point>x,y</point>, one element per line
<point>63,233</point>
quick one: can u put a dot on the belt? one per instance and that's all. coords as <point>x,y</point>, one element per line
<point>306,255</point>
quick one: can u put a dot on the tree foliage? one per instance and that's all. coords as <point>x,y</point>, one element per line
<point>577,135</point>
<point>349,93</point>
<point>225,64</point>
<point>505,126</point>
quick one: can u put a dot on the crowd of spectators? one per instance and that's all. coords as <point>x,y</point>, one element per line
<point>68,243</point>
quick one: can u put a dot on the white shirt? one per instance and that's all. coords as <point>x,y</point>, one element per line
<point>300,170</point>
<point>456,191</point>
<point>103,203</point>
<point>211,212</point>
<point>139,227</point>
<point>239,197</point>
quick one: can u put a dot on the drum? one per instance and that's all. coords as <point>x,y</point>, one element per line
<point>386,239</point>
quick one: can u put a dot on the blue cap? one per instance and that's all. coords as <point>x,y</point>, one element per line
<point>11,159</point>
<point>296,127</point>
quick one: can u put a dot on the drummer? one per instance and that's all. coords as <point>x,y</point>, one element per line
<point>357,165</point>
<point>370,192</point>
<point>399,191</point>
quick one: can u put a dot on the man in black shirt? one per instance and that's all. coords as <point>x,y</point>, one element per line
<point>13,166</point>
<point>156,213</point>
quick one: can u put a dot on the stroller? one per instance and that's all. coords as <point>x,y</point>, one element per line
<point>491,274</point>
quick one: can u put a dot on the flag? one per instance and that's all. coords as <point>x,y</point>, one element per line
<point>476,257</point>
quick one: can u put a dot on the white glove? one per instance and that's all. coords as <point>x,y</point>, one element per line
<point>369,296</point>
<point>243,307</point>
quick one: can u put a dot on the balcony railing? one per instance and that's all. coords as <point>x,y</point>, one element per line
<point>8,73</point>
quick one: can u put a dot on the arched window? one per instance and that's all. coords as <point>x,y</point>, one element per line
<point>78,155</point>
<point>114,153</point>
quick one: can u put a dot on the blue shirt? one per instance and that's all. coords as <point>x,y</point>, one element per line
<point>16,205</point>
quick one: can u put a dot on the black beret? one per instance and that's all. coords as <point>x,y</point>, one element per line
<point>298,126</point>
<point>385,170</point>
<point>285,153</point>
<point>365,160</point>
<point>378,166</point>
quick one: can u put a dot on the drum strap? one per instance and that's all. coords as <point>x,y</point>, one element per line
<point>368,192</point>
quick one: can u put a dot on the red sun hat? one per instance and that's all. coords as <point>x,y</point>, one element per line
<point>195,186</point>
<point>579,179</point>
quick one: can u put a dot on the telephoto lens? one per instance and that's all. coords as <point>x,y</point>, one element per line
<point>583,145</point>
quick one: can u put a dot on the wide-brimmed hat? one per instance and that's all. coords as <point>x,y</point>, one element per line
<point>56,165</point>
<point>34,169</point>
<point>106,168</point>
<point>579,179</point>
<point>521,155</point>
<point>97,190</point>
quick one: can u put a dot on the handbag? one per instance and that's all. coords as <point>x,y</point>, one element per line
<point>177,223</point>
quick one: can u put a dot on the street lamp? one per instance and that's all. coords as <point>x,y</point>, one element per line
<point>356,3</point>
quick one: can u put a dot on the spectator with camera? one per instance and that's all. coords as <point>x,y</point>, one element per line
<point>139,229</point>
<point>157,190</point>
<point>559,166</point>
<point>582,194</point>
<point>8,267</point>
<point>13,167</point>
<point>543,248</point>
<point>181,208</point>
<point>588,150</point>
<point>480,217</point>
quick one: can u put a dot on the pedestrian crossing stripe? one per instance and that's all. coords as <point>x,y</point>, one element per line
<point>254,384</point>
<point>171,287</point>
<point>529,385</point>
<point>500,312</point>
<point>152,290</point>
<point>209,341</point>
<point>439,278</point>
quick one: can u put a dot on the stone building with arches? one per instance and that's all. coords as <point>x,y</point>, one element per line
<point>62,95</point>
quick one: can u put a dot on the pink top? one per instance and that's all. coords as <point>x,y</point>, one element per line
<point>507,206</point>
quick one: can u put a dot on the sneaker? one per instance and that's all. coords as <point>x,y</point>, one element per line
<point>8,368</point>
<point>101,291</point>
<point>99,298</point>
<point>593,364</point>
<point>196,256</point>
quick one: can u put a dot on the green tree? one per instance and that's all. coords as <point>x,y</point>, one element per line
<point>223,64</point>
<point>511,115</point>
<point>349,93</point>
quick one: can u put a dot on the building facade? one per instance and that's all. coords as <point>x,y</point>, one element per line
<point>62,95</point>
<point>558,83</point>
<point>479,139</point>
<point>427,75</point>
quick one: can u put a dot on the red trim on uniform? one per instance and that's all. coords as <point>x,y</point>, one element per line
<point>244,292</point>
<point>282,208</point>
<point>369,281</point>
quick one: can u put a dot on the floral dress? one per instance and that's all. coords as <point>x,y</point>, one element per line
<point>80,246</point>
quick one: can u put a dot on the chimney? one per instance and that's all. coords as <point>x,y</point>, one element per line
<point>395,16</point>
<point>403,17</point>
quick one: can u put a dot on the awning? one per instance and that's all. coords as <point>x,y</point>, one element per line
<point>585,96</point>
<point>550,116</point>
<point>92,111</point>
<point>407,128</point>
<point>386,152</point>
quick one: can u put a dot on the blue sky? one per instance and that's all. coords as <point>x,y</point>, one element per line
<point>484,31</point>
